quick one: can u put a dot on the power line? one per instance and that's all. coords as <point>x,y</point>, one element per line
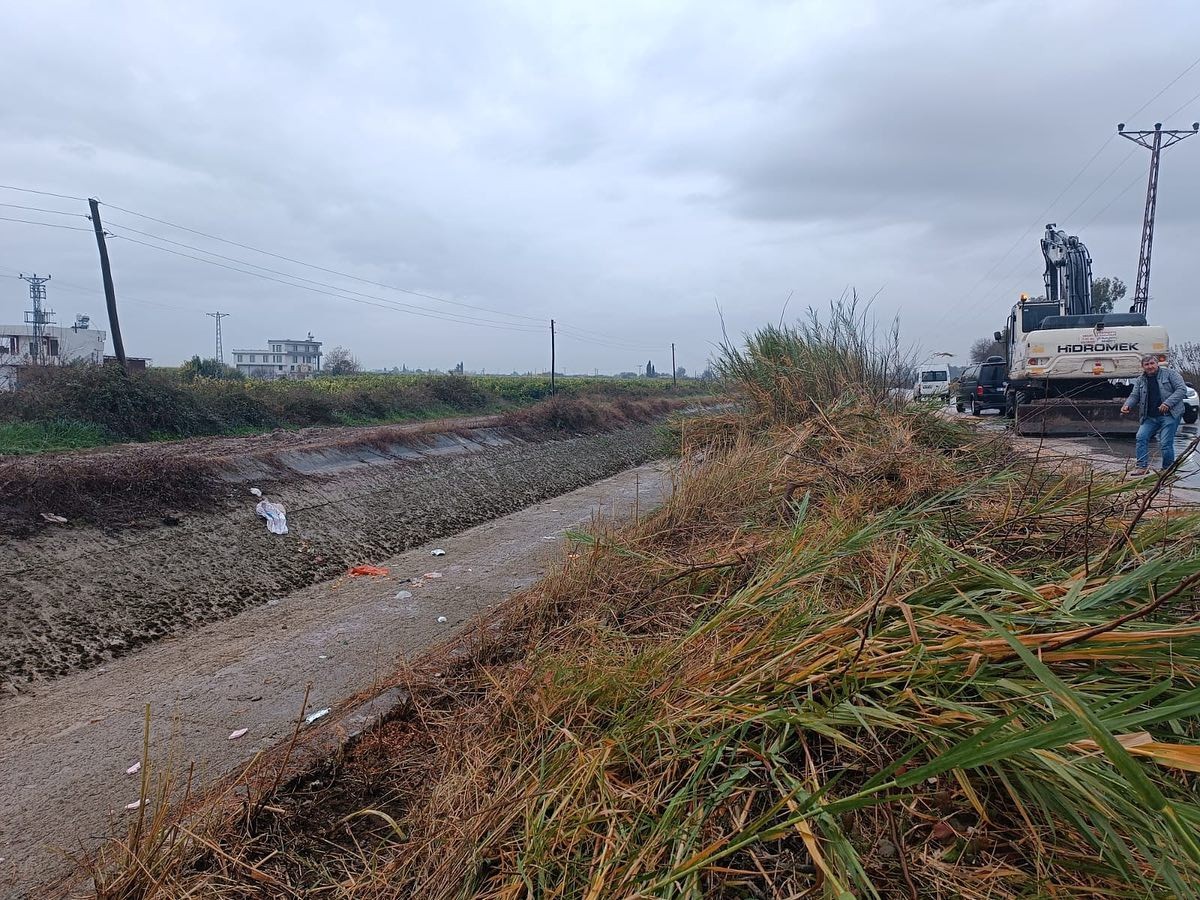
<point>576,333</point>
<point>44,224</point>
<point>579,334</point>
<point>606,342</point>
<point>386,304</point>
<point>9,187</point>
<point>963,311</point>
<point>1103,181</point>
<point>594,338</point>
<point>992,291</point>
<point>69,286</point>
<point>1195,62</point>
<point>1136,179</point>
<point>242,262</point>
<point>80,289</point>
<point>57,212</point>
<point>125,298</point>
<point>298,262</point>
<point>639,348</point>
<point>1182,107</point>
<point>1050,207</point>
<point>1040,217</point>
<point>330,290</point>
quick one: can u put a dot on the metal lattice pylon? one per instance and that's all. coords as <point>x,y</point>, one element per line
<point>38,317</point>
<point>1155,141</point>
<point>220,357</point>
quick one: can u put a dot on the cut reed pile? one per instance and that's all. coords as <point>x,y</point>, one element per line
<point>862,652</point>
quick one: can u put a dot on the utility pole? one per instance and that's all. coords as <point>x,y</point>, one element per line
<point>110,293</point>
<point>673,384</point>
<point>220,350</point>
<point>1155,141</point>
<point>38,317</point>
<point>552,356</point>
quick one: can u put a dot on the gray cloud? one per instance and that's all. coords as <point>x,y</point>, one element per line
<point>614,166</point>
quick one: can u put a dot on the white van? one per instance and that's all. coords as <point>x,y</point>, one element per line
<point>933,380</point>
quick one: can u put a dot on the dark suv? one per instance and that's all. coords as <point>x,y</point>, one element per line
<point>981,386</point>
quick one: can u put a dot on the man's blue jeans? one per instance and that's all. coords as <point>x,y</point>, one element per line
<point>1165,427</point>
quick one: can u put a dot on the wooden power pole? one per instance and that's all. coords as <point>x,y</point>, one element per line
<point>552,356</point>
<point>673,382</point>
<point>110,294</point>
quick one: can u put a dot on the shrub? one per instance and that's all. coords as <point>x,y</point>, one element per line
<point>208,368</point>
<point>786,372</point>
<point>201,399</point>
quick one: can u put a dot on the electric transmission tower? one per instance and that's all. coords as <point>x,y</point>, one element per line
<point>1155,141</point>
<point>38,317</point>
<point>220,350</point>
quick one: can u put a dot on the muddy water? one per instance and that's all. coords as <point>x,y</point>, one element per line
<point>73,597</point>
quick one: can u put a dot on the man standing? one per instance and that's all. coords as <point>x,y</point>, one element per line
<point>1158,396</point>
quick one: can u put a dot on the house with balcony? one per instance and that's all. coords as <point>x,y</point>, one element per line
<point>282,358</point>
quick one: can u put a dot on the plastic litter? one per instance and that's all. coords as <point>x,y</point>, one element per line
<point>313,716</point>
<point>432,575</point>
<point>234,735</point>
<point>134,769</point>
<point>51,517</point>
<point>256,492</point>
<point>438,552</point>
<point>136,804</point>
<point>356,571</point>
<point>275,515</point>
<point>403,595</point>
<point>442,620</point>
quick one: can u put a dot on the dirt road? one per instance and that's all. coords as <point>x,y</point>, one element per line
<point>64,749</point>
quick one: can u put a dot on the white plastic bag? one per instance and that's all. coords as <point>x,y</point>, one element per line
<point>275,515</point>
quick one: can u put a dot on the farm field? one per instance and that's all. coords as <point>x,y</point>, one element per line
<point>72,408</point>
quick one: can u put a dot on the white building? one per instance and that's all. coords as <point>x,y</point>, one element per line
<point>283,358</point>
<point>60,345</point>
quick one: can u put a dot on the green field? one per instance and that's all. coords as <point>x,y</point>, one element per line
<point>74,407</point>
<point>37,437</point>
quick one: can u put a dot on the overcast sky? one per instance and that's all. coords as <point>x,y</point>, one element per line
<point>616,166</point>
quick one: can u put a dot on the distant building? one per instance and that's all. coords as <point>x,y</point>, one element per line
<point>283,358</point>
<point>60,345</point>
